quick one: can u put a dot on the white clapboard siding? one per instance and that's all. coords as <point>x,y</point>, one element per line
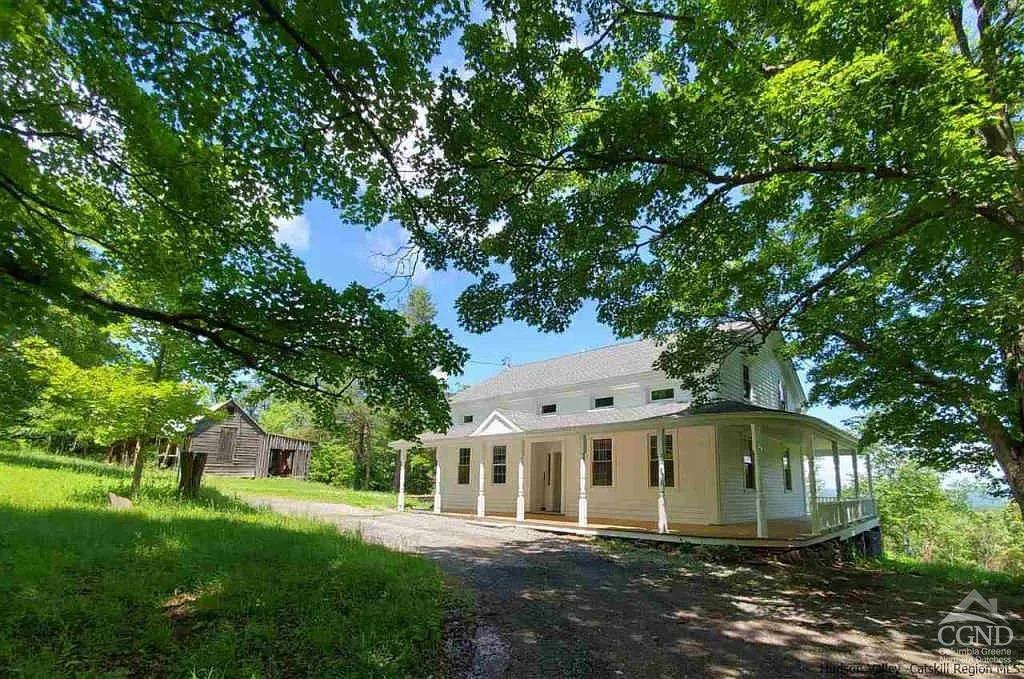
<point>766,370</point>
<point>737,500</point>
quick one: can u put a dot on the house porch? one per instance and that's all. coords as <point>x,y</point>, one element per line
<point>732,476</point>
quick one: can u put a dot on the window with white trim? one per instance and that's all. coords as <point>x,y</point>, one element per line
<point>749,480</point>
<point>499,458</point>
<point>670,467</point>
<point>604,402</point>
<point>466,419</point>
<point>787,471</point>
<point>782,395</point>
<point>601,462</point>
<point>665,394</point>
<point>464,454</point>
<point>549,409</point>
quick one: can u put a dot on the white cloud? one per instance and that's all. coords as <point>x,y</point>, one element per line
<point>293,232</point>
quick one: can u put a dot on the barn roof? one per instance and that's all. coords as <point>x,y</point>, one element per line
<point>279,437</point>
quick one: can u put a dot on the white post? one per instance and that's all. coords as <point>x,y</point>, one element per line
<point>835,462</point>
<point>662,509</point>
<point>856,473</point>
<point>755,445</point>
<point>582,519</point>
<point>481,501</point>
<point>520,493</point>
<point>401,478</point>
<point>813,472</point>
<point>437,480</point>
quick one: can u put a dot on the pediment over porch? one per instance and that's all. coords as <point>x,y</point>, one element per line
<point>497,424</point>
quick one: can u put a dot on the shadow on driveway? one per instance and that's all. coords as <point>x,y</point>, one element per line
<point>567,607</point>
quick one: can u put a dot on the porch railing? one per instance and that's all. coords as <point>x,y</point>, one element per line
<point>829,513</point>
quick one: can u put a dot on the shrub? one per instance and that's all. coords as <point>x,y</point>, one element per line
<point>333,462</point>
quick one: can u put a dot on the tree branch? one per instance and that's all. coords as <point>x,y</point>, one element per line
<point>194,324</point>
<point>956,17</point>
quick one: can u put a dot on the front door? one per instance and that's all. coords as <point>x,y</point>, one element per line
<point>556,482</point>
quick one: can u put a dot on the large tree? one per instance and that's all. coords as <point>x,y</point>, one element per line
<point>147,149</point>
<point>846,172</point>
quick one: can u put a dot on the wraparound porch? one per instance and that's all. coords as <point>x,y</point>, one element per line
<point>766,475</point>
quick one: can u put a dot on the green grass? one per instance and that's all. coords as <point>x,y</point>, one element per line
<point>955,574</point>
<point>299,489</point>
<point>209,588</point>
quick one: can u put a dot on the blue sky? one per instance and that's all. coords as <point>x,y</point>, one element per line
<point>340,253</point>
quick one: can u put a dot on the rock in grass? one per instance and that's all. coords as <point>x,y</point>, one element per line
<point>119,503</point>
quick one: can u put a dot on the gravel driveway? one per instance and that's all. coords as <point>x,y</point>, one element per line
<point>554,606</point>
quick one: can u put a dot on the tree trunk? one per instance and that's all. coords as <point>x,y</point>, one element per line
<point>1011,460</point>
<point>192,466</point>
<point>140,460</point>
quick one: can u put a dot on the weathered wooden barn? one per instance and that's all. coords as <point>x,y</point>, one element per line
<point>236,445</point>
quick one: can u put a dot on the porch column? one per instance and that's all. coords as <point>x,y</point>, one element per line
<point>813,490</point>
<point>520,496</point>
<point>437,480</point>
<point>582,519</point>
<point>403,449</point>
<point>401,479</point>
<point>835,463</point>
<point>856,473</point>
<point>481,501</point>
<point>662,509</point>
<point>755,445</point>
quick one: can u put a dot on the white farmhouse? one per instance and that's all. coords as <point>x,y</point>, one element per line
<point>601,442</point>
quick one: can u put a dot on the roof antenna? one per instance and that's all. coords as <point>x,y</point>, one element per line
<point>506,362</point>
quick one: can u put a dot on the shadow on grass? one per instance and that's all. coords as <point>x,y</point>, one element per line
<point>63,462</point>
<point>92,591</point>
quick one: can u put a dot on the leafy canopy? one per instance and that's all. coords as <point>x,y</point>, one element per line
<point>845,172</point>
<point>106,403</point>
<point>146,149</point>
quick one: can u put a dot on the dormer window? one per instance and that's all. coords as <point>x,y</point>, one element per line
<point>666,394</point>
<point>748,387</point>
<point>549,409</point>
<point>604,402</point>
<point>466,419</point>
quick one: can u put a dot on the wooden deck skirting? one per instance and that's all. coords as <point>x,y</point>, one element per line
<point>782,533</point>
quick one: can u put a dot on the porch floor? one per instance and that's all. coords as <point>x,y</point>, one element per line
<point>790,532</point>
<point>777,528</point>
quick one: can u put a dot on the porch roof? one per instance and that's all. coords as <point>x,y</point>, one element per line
<point>502,421</point>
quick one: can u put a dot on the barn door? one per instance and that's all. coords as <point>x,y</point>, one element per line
<point>226,445</point>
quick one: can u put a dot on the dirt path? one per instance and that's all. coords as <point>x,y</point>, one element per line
<point>554,606</point>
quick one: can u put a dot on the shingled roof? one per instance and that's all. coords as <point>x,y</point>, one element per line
<point>616,360</point>
<point>531,422</point>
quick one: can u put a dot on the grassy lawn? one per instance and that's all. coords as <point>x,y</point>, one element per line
<point>210,588</point>
<point>298,489</point>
